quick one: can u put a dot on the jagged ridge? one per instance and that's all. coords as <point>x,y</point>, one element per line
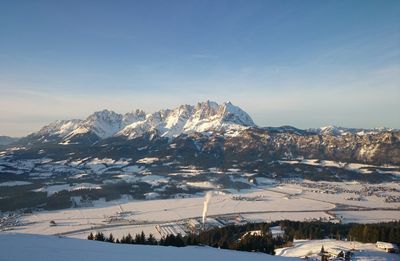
<point>205,116</point>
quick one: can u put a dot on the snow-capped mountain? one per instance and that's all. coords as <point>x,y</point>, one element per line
<point>205,116</point>
<point>102,123</point>
<point>210,115</point>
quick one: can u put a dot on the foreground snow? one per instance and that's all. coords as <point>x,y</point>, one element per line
<point>35,248</point>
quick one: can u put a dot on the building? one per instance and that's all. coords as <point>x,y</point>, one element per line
<point>388,247</point>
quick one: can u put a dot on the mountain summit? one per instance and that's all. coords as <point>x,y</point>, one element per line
<point>203,117</point>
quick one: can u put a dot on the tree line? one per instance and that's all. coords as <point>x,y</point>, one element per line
<point>238,237</point>
<point>366,233</point>
<point>230,237</point>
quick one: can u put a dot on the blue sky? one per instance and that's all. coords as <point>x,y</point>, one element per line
<point>300,63</point>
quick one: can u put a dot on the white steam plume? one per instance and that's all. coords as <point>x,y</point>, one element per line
<point>207,200</point>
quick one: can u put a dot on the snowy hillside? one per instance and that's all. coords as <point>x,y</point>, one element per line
<point>37,248</point>
<point>312,248</point>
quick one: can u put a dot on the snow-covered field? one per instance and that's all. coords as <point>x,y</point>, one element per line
<point>311,248</point>
<point>262,201</point>
<point>14,183</point>
<point>287,201</point>
<point>50,190</point>
<point>160,211</point>
<point>37,248</point>
<point>372,216</point>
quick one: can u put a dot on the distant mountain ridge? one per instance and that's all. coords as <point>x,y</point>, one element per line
<point>6,140</point>
<point>184,119</point>
<point>337,131</point>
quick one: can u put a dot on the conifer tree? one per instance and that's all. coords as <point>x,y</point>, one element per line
<point>90,236</point>
<point>142,238</point>
<point>111,238</point>
<point>323,254</point>
<point>129,239</point>
<point>137,239</point>
<point>99,236</point>
<point>179,241</point>
<point>151,240</point>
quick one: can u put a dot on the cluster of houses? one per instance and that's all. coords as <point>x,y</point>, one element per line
<point>8,221</point>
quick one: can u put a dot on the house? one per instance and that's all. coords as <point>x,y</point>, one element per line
<point>388,247</point>
<point>277,231</point>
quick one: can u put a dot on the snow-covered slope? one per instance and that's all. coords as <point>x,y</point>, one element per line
<point>54,131</point>
<point>37,248</point>
<point>60,128</point>
<point>102,123</point>
<point>311,248</point>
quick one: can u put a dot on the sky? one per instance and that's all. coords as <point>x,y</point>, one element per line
<point>300,63</point>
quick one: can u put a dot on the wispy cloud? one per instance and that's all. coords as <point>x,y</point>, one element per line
<point>203,56</point>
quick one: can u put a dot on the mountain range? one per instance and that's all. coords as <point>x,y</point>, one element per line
<point>185,119</point>
<point>220,129</point>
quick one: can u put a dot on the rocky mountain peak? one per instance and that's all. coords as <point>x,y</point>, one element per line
<point>134,116</point>
<point>234,114</point>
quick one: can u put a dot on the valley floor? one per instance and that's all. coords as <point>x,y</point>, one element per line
<point>159,217</point>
